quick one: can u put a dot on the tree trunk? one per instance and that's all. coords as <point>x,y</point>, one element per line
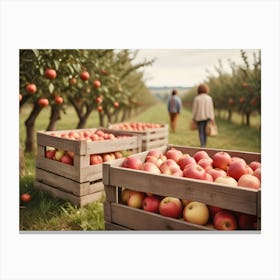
<point>229,114</point>
<point>247,114</point>
<point>101,119</point>
<point>54,118</point>
<point>30,129</point>
<point>21,162</point>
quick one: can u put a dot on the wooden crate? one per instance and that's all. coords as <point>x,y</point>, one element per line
<point>119,216</point>
<point>80,183</point>
<point>151,138</point>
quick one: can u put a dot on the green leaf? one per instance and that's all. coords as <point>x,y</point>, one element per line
<point>51,88</point>
<point>56,64</point>
<point>36,52</point>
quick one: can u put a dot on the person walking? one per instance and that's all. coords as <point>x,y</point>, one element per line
<point>174,106</point>
<point>203,111</point>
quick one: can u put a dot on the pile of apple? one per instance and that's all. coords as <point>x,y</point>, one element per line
<point>88,135</point>
<point>194,212</point>
<point>68,156</point>
<point>221,168</point>
<point>135,126</point>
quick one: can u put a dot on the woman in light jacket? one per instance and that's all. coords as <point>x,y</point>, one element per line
<point>203,111</point>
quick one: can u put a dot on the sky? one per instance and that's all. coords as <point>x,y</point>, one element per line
<point>186,67</point>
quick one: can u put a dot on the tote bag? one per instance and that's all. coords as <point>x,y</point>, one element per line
<point>211,128</point>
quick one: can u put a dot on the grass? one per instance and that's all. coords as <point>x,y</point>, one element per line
<point>45,213</point>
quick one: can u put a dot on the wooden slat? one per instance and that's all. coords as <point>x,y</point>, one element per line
<point>68,185</point>
<point>76,200</point>
<point>234,198</point>
<point>78,147</point>
<point>141,220</point>
<point>41,150</point>
<point>113,227</point>
<point>111,193</point>
<point>107,211</point>
<point>106,146</point>
<point>65,170</point>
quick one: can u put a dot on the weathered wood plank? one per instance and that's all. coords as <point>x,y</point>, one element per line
<point>113,227</point>
<point>75,200</point>
<point>141,220</point>
<point>68,185</point>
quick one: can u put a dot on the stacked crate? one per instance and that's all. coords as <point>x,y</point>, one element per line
<point>80,183</point>
<point>121,217</point>
<point>151,137</point>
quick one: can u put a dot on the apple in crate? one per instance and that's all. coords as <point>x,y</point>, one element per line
<point>150,167</point>
<point>224,220</point>
<point>125,195</point>
<point>257,173</point>
<point>170,207</point>
<point>135,199</point>
<point>67,159</point>
<point>249,181</point>
<point>216,172</point>
<point>185,160</point>
<point>246,221</point>
<point>229,181</point>
<point>206,163</point>
<point>237,169</point>
<point>151,204</point>
<point>194,171</point>
<point>132,163</point>
<point>254,165</point>
<point>221,160</point>
<point>173,154</point>
<point>165,166</point>
<point>59,154</point>
<point>196,213</point>
<point>50,154</point>
<point>200,155</point>
<point>213,210</point>
<point>95,159</point>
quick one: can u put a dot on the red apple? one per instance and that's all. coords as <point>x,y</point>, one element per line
<point>99,109</point>
<point>25,197</point>
<point>71,154</point>
<point>95,159</point>
<point>258,174</point>
<point>170,207</point>
<point>229,181</point>
<point>238,159</point>
<point>173,154</point>
<point>205,162</point>
<point>66,159</point>
<point>185,160</point>
<point>196,213</point>
<point>224,220</point>
<point>165,166</point>
<point>116,104</point>
<point>73,81</point>
<point>96,83</point>
<point>254,165</point>
<point>200,155</point>
<point>151,204</point>
<point>31,88</point>
<point>98,99</point>
<point>194,171</point>
<point>246,221</point>
<point>118,155</point>
<point>213,210</point>
<point>208,177</point>
<point>150,167</point>
<point>135,199</point>
<point>50,74</point>
<point>84,75</point>
<point>133,163</point>
<point>221,160</point>
<point>249,181</point>
<point>174,171</point>
<point>185,202</point>
<point>58,100</point>
<point>50,154</point>
<point>237,169</point>
<point>43,102</point>
<point>216,172</point>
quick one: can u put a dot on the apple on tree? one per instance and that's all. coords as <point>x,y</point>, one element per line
<point>31,88</point>
<point>50,74</point>
<point>84,75</point>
